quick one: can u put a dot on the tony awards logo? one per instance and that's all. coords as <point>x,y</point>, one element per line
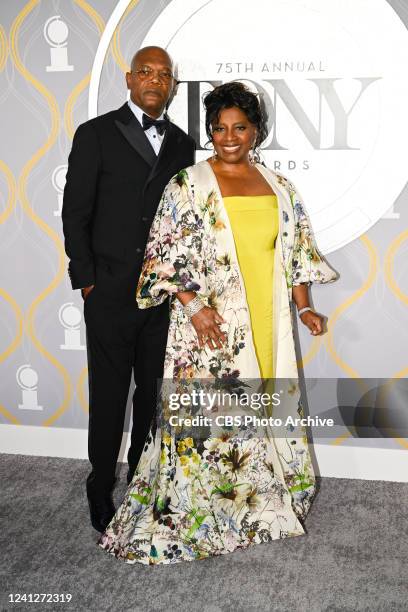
<point>27,378</point>
<point>58,180</point>
<point>334,90</point>
<point>70,318</point>
<point>56,35</point>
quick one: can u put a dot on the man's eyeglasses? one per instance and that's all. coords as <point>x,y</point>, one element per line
<point>147,73</point>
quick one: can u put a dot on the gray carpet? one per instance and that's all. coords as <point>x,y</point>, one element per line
<point>353,558</point>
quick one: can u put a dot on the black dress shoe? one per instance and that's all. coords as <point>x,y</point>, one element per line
<point>102,511</point>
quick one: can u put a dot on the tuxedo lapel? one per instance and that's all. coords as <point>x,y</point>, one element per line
<point>131,129</point>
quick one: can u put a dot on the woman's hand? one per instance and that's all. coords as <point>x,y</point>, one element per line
<point>207,323</point>
<point>313,321</point>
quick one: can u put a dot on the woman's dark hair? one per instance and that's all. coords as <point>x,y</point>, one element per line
<point>235,94</point>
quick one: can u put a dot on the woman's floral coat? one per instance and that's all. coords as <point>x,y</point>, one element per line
<point>192,498</point>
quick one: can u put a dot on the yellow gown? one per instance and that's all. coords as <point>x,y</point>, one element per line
<point>255,223</point>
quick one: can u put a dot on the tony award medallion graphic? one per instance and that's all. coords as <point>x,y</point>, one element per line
<point>58,180</point>
<point>70,318</point>
<point>56,34</point>
<point>27,379</point>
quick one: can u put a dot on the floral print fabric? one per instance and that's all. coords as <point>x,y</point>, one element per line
<point>192,497</point>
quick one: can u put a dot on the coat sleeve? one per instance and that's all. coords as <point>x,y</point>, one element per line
<point>78,205</point>
<point>174,257</point>
<point>308,264</point>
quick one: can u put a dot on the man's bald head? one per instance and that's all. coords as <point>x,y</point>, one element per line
<point>151,80</point>
<point>140,56</point>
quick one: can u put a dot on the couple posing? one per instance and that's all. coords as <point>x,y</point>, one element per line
<point>187,271</point>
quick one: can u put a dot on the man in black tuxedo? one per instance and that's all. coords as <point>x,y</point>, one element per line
<point>118,167</point>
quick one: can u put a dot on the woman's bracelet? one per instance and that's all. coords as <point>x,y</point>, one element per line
<point>193,306</point>
<point>305,309</point>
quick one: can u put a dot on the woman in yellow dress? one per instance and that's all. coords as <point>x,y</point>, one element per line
<point>231,246</point>
<point>236,127</point>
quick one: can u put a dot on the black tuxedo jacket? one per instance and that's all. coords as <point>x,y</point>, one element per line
<point>114,184</point>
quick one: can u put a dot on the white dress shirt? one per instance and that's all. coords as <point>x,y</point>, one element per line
<point>152,134</point>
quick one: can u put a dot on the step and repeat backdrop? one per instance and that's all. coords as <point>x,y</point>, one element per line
<point>333,78</point>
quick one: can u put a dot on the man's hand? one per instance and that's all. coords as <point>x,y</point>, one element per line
<point>86,291</point>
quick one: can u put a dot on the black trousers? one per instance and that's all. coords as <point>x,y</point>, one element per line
<point>120,339</point>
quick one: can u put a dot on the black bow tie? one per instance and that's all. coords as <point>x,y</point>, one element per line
<point>159,124</point>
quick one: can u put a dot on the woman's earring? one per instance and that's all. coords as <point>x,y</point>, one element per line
<point>214,155</point>
<point>253,154</point>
